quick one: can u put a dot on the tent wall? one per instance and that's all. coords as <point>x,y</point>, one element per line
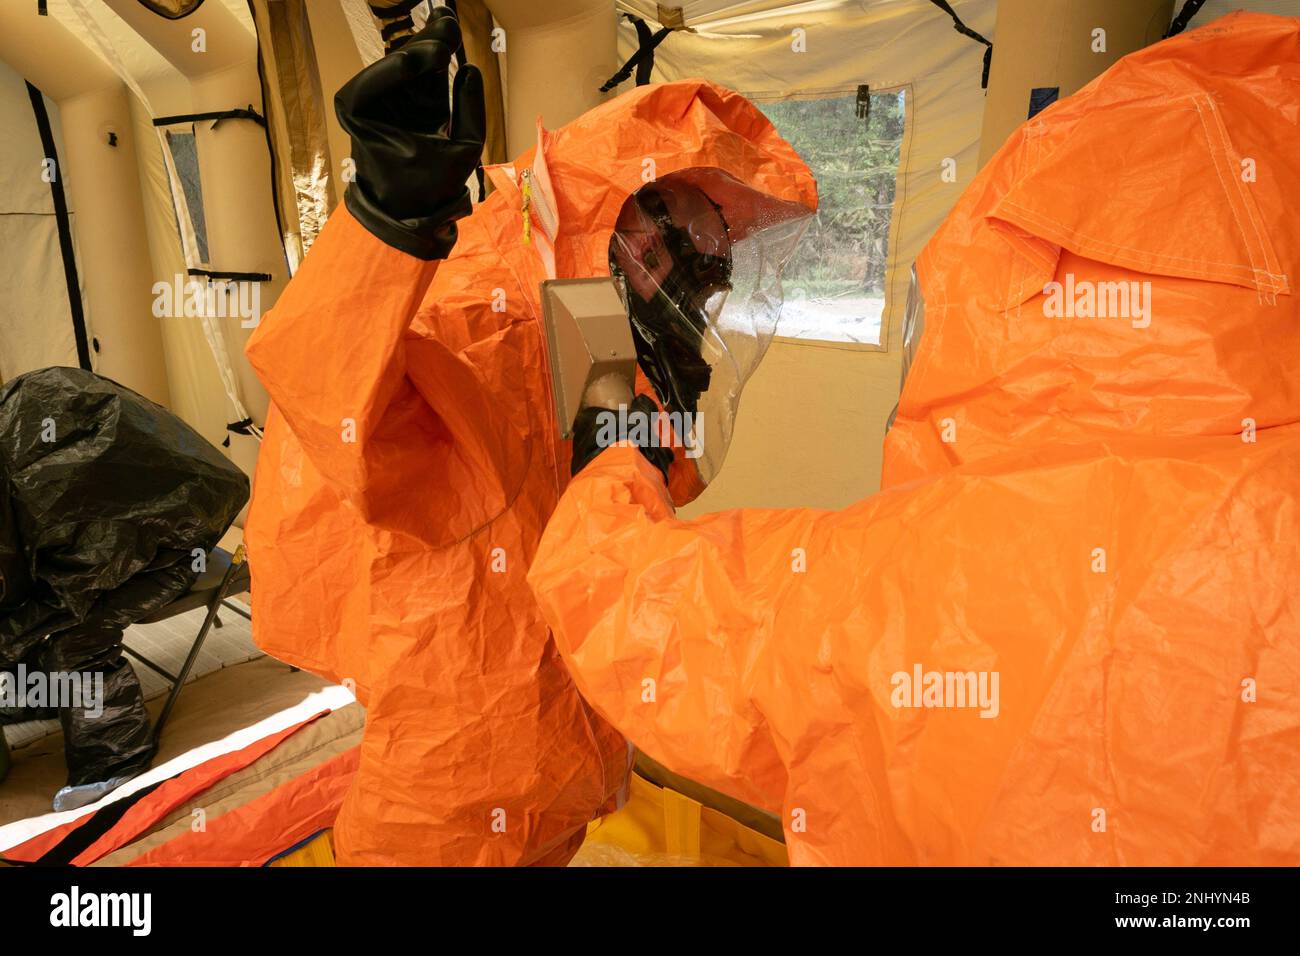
<point>93,61</point>
<point>233,156</point>
<point>1218,8</point>
<point>197,394</point>
<point>36,327</point>
<point>558,54</point>
<point>102,188</point>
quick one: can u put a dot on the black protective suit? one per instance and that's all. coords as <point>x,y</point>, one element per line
<point>107,503</point>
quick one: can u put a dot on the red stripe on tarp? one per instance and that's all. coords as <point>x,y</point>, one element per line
<point>261,829</point>
<point>167,797</point>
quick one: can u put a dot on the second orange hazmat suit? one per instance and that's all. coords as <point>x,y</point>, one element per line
<point>1097,507</point>
<point>410,463</point>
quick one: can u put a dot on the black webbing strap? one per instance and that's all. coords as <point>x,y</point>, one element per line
<point>643,60</point>
<point>66,248</point>
<point>87,835</point>
<point>964,30</point>
<point>397,25</point>
<point>387,9</point>
<point>216,115</point>
<point>231,276</point>
<point>241,427</point>
<point>42,8</point>
<point>1189,10</point>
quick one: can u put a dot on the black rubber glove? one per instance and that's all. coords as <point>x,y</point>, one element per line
<point>587,434</point>
<point>413,153</point>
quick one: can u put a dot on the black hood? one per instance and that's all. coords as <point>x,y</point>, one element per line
<point>107,496</point>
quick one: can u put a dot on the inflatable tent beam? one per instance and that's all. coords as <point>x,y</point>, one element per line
<point>103,184</point>
<point>1048,49</point>
<point>577,37</point>
<point>338,59</point>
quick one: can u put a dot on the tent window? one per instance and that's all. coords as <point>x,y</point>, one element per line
<point>835,284</point>
<point>185,155</point>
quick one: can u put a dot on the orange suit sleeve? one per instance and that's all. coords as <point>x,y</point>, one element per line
<point>619,579</point>
<point>955,670</point>
<point>332,355</point>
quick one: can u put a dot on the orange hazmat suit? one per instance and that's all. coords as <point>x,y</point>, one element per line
<point>1067,630</point>
<point>411,461</point>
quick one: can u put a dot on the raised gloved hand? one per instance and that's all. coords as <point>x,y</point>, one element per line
<point>413,152</point>
<point>594,431</point>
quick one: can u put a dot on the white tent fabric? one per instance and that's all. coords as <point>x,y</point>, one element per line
<point>36,327</point>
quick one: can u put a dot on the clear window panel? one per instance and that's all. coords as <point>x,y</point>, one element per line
<point>185,155</point>
<point>835,285</point>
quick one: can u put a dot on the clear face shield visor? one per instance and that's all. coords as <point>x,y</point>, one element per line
<point>701,257</point>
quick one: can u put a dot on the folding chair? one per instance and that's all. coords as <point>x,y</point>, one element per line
<point>226,573</point>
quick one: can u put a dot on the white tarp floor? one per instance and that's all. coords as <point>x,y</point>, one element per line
<point>219,714</point>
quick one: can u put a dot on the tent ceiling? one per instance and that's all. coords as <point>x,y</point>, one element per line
<point>147,66</point>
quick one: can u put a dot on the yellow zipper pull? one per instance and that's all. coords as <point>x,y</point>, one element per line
<point>527,192</point>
